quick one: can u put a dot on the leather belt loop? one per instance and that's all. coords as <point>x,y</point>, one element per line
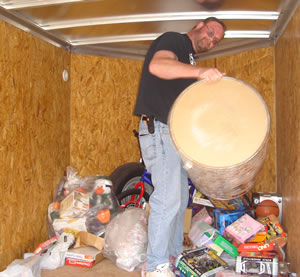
<point>150,123</point>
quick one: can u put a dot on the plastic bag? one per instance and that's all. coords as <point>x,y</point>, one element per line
<point>126,239</point>
<point>103,207</point>
<point>82,204</point>
<point>29,267</point>
<point>54,256</point>
<point>197,231</point>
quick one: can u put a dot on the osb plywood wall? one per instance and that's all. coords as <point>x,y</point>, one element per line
<point>34,138</point>
<point>35,122</point>
<point>287,57</point>
<point>257,69</point>
<point>104,91</point>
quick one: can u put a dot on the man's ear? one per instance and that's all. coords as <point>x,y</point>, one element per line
<point>199,25</point>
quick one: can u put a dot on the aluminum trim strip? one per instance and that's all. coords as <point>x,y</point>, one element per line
<point>35,3</point>
<point>152,36</point>
<point>151,17</point>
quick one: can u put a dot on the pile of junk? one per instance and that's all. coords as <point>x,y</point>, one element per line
<point>87,223</point>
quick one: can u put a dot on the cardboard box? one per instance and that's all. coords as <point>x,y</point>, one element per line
<point>86,251</point>
<point>76,204</point>
<point>88,239</point>
<point>223,243</point>
<point>75,262</point>
<point>187,220</point>
<point>243,228</point>
<point>198,262</point>
<point>239,203</point>
<point>224,218</point>
<point>85,256</point>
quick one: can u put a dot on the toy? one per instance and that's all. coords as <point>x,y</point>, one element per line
<point>256,247</point>
<point>104,216</point>
<point>275,232</point>
<point>243,228</point>
<point>258,197</point>
<point>199,262</point>
<point>256,264</point>
<point>266,208</point>
<point>223,243</point>
<point>224,218</point>
<point>239,203</point>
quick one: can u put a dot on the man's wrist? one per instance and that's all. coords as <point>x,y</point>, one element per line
<point>199,77</point>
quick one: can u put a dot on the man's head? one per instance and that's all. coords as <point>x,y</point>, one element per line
<point>206,34</point>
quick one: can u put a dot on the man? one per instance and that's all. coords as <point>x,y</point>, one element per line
<point>169,68</point>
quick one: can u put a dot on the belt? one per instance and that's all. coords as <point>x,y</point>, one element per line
<point>149,120</point>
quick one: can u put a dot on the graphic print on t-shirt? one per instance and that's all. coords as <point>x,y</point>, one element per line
<point>192,60</point>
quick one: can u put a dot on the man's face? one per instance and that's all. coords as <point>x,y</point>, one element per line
<point>208,36</point>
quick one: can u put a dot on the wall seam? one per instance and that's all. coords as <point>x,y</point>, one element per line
<point>275,118</point>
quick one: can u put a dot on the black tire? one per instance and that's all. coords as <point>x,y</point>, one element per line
<point>125,197</point>
<point>126,176</point>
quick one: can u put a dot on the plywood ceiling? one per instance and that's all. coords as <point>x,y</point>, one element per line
<point>125,28</point>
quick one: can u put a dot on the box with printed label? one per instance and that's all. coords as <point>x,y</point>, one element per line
<point>199,262</point>
<point>76,204</point>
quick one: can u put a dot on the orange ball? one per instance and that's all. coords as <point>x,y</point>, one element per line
<point>266,208</point>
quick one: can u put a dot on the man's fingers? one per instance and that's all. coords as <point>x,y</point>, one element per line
<point>212,74</point>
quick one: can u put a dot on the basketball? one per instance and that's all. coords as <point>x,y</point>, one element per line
<point>267,207</point>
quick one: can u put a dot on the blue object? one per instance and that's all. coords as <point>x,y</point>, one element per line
<point>224,218</point>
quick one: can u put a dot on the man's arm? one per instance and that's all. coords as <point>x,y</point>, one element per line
<point>165,65</point>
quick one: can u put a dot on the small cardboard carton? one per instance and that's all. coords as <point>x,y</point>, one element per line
<point>187,220</point>
<point>75,204</point>
<point>87,250</point>
<point>85,256</point>
<point>88,239</point>
<point>199,262</point>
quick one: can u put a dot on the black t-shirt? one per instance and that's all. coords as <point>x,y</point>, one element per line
<point>156,95</point>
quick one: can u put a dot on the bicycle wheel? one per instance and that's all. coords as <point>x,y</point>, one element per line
<point>124,198</point>
<point>127,176</point>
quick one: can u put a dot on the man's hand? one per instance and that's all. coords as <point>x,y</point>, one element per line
<point>210,74</point>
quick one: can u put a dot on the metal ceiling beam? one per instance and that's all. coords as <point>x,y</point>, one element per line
<point>116,51</point>
<point>34,3</point>
<point>151,17</point>
<point>27,26</point>
<point>114,39</point>
<point>235,47</point>
<point>287,11</point>
<point>139,52</point>
<point>152,36</point>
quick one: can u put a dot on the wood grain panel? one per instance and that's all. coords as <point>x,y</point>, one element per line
<point>287,56</point>
<point>257,69</point>
<point>34,140</point>
<point>100,88</point>
<point>104,93</point>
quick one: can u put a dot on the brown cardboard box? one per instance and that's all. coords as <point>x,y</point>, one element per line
<point>86,256</point>
<point>187,220</point>
<point>88,239</point>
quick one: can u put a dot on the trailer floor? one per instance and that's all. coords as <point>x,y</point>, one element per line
<point>105,268</point>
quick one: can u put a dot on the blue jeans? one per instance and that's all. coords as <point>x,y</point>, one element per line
<point>169,198</point>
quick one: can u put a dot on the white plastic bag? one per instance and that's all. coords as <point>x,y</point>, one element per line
<point>126,239</point>
<point>55,255</point>
<point>29,267</point>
